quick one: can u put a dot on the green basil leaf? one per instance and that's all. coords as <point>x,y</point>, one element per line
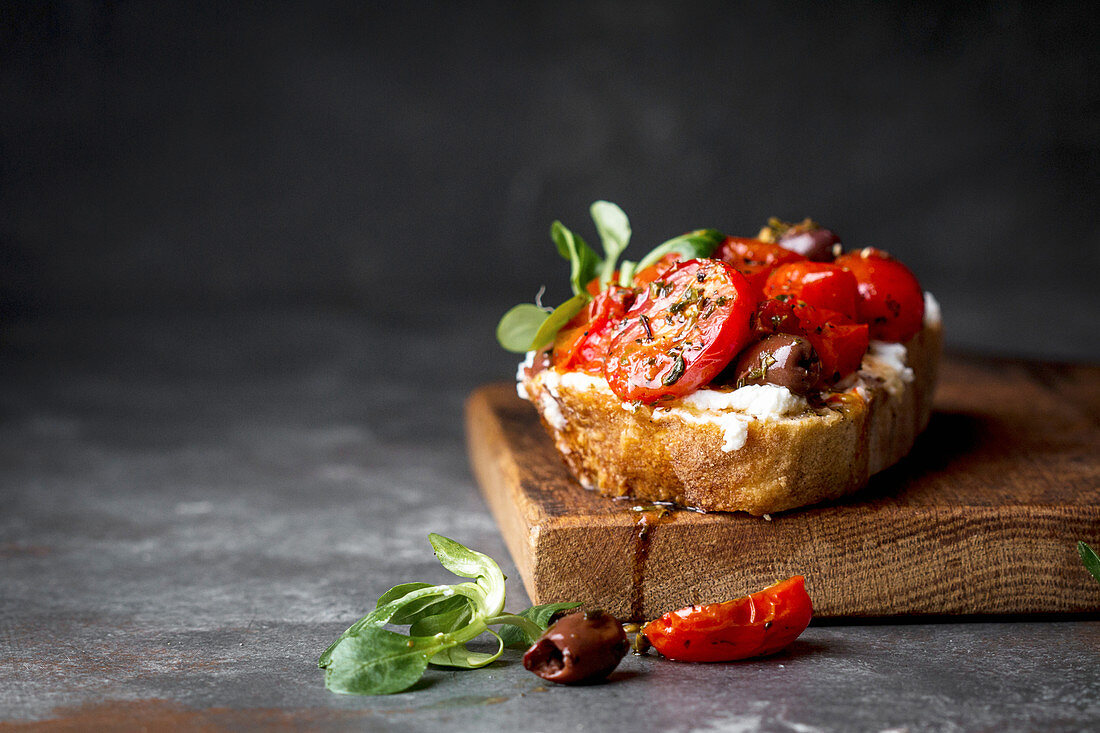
<point>627,269</point>
<point>557,320</point>
<point>444,622</point>
<point>378,662</point>
<point>584,263</point>
<point>385,613</point>
<point>399,591</point>
<point>463,658</point>
<point>425,607</point>
<point>518,329</point>
<point>700,243</point>
<point>467,563</point>
<point>1090,559</point>
<point>614,229</point>
<point>515,636</point>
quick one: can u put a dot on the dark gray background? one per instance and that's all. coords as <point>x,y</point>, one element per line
<point>407,158</point>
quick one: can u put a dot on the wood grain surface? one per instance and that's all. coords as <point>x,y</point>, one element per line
<point>982,517</point>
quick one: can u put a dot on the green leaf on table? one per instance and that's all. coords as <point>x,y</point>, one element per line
<point>1090,559</point>
<point>444,622</point>
<point>463,658</point>
<point>377,662</point>
<point>584,263</point>
<point>515,636</point>
<point>614,228</point>
<point>385,613</point>
<point>368,659</point>
<point>429,606</point>
<point>467,563</point>
<point>399,591</point>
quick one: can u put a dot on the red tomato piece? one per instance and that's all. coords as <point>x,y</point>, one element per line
<point>680,332</point>
<point>821,284</point>
<point>755,259</point>
<point>839,341</point>
<point>891,300</point>
<point>645,276</point>
<point>753,626</point>
<point>735,250</point>
<point>582,343</point>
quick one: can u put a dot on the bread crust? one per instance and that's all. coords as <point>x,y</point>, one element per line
<point>785,462</point>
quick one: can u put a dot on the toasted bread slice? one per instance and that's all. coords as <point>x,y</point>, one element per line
<point>761,452</point>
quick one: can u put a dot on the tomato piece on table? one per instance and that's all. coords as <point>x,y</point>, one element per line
<point>582,343</point>
<point>821,284</point>
<point>753,626</point>
<point>891,300</point>
<point>681,332</point>
<point>755,259</point>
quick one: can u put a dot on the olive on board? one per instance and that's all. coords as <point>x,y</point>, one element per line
<point>581,647</point>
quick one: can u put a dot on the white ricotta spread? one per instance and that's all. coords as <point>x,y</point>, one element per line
<point>734,425</point>
<point>761,400</point>
<point>729,410</point>
<point>932,314</point>
<point>527,363</point>
<point>886,361</point>
<point>550,402</point>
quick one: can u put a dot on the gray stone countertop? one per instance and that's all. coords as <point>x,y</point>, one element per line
<point>193,506</point>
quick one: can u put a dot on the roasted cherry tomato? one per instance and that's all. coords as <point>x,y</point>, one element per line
<point>681,331</point>
<point>647,275</point>
<point>755,251</point>
<point>821,284</point>
<point>890,299</point>
<point>753,626</point>
<point>582,343</point>
<point>839,341</point>
<point>755,259</point>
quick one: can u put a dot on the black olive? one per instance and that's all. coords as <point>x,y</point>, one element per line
<point>812,243</point>
<point>578,648</point>
<point>782,359</point>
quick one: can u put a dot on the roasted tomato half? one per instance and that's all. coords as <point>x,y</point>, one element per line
<point>890,299</point>
<point>753,626</point>
<point>681,331</point>
<point>582,344</point>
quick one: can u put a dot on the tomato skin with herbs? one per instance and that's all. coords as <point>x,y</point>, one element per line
<point>753,626</point>
<point>821,284</point>
<point>582,343</point>
<point>890,300</point>
<point>681,332</point>
<point>644,277</point>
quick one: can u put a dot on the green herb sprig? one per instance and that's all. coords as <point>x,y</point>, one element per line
<point>370,659</point>
<point>528,326</point>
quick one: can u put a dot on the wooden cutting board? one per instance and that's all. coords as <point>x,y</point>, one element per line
<point>983,517</point>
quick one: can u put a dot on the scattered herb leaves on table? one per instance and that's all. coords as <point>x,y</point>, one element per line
<point>370,659</point>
